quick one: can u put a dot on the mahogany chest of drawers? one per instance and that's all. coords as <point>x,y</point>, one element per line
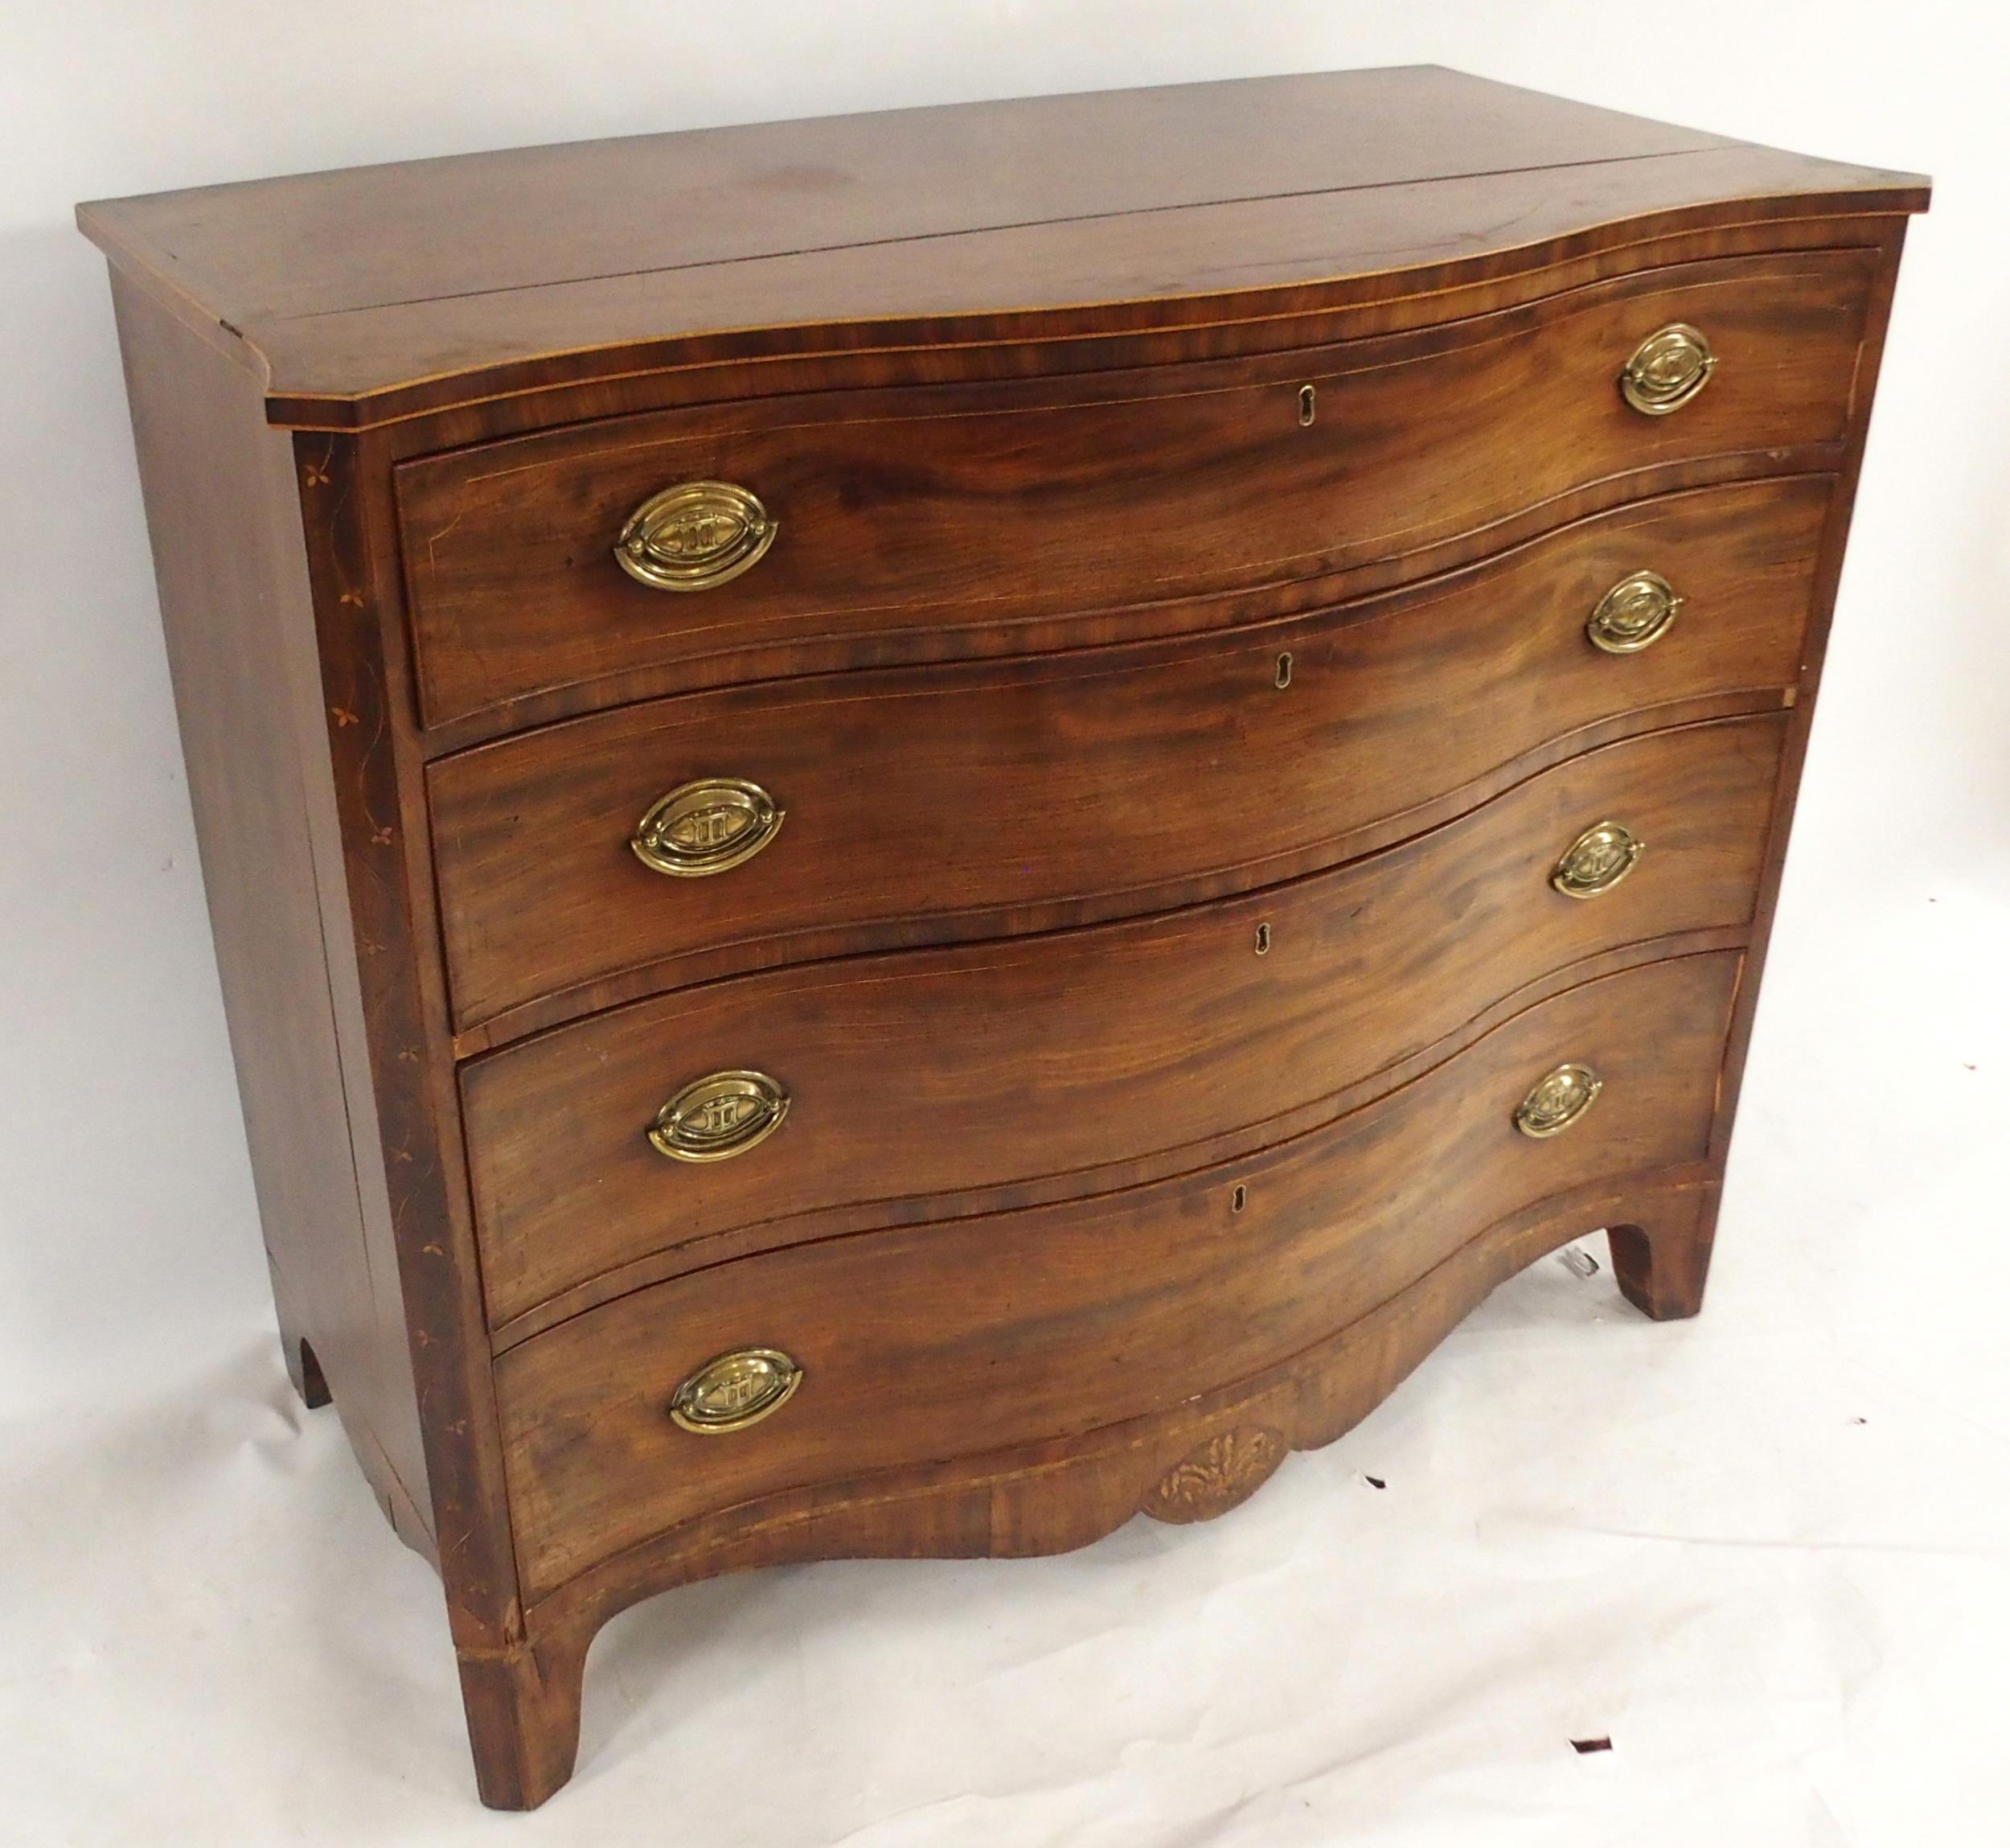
<point>928,828</point>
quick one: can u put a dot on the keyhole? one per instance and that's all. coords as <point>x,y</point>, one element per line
<point>1308,404</point>
<point>1263,939</point>
<point>1239,1199</point>
<point>1283,669</point>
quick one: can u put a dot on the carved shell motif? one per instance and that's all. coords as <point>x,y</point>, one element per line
<point>1223,1473</point>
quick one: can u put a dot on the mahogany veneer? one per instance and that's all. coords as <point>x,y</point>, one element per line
<point>940,507</point>
<point>929,828</point>
<point>911,793</point>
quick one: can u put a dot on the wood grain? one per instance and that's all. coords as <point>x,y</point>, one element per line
<point>1166,330</point>
<point>412,1121</point>
<point>236,610</point>
<point>1050,1497</point>
<point>931,1073</point>
<point>319,244</point>
<point>1815,649</point>
<point>1057,1494</point>
<point>937,1341</point>
<point>948,506</point>
<point>394,291</point>
<point>945,804</point>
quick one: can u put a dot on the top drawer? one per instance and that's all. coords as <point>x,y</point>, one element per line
<point>954,509</point>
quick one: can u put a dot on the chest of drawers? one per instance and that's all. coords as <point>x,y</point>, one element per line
<point>926,829</point>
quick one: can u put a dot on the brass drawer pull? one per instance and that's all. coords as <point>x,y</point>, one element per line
<point>716,1118</point>
<point>735,1390</point>
<point>1634,614</point>
<point>1668,369</point>
<point>706,826</point>
<point>1596,860</point>
<point>696,536</point>
<point>1558,1100</point>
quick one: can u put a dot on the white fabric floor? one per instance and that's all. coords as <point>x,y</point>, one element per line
<point>1765,1552</point>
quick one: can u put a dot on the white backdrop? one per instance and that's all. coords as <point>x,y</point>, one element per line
<point>1766,1551</point>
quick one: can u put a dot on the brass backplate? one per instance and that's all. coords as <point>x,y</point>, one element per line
<point>1667,370</point>
<point>1634,614</point>
<point>1596,860</point>
<point>706,826</point>
<point>716,1118</point>
<point>696,536</point>
<point>1557,1100</point>
<point>734,1391</point>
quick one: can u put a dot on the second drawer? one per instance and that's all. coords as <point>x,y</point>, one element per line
<point>922,1074</point>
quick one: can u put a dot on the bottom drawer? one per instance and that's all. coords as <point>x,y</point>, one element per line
<point>935,1341</point>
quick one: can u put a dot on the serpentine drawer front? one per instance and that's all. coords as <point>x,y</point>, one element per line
<point>903,801</point>
<point>882,509</point>
<point>914,1076</point>
<point>1109,764</point>
<point>1114,1309</point>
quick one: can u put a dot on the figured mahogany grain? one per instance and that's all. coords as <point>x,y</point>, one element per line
<point>948,506</point>
<point>934,805</point>
<point>931,1341</point>
<point>1167,329</point>
<point>938,1071</point>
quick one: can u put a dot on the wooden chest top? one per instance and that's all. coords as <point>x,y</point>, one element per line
<point>375,293</point>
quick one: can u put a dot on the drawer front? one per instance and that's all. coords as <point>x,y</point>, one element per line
<point>931,1073</point>
<point>951,803</point>
<point>934,1342</point>
<point>950,510</point>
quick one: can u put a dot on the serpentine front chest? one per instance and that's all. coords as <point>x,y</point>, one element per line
<point>927,829</point>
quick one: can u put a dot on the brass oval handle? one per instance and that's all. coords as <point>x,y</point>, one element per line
<point>1667,370</point>
<point>716,1118</point>
<point>1557,1100</point>
<point>1634,614</point>
<point>706,826</point>
<point>696,536</point>
<point>1596,860</point>
<point>734,1391</point>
